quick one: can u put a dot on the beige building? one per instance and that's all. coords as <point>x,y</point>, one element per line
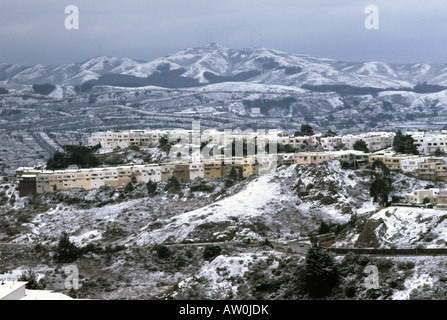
<point>110,177</point>
<point>418,196</point>
<point>212,170</point>
<point>311,157</point>
<point>181,172</point>
<point>56,181</point>
<point>167,171</point>
<point>124,175</point>
<point>82,179</point>
<point>144,173</point>
<point>43,182</point>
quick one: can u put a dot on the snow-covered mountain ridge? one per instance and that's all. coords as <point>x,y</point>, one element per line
<point>215,63</point>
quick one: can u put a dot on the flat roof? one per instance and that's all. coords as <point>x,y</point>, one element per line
<point>7,287</point>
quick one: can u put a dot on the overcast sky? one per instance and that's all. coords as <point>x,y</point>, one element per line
<point>33,31</point>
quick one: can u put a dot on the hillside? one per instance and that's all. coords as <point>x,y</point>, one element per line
<point>128,231</point>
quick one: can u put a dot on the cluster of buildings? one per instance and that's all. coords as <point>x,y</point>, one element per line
<point>428,142</point>
<point>145,138</point>
<point>434,196</point>
<point>425,167</point>
<point>33,181</point>
<point>374,141</point>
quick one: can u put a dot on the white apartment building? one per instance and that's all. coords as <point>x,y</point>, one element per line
<point>428,142</point>
<point>411,164</point>
<point>374,141</point>
<point>196,170</point>
<point>125,139</point>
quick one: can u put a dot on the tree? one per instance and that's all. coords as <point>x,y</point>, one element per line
<point>438,152</point>
<point>78,155</point>
<point>44,89</point>
<point>305,130</point>
<point>404,143</point>
<point>211,251</point>
<point>321,273</point>
<point>233,174</point>
<point>151,186</point>
<point>66,250</point>
<point>57,161</point>
<point>381,183</point>
<point>360,145</point>
<point>164,144</point>
<point>240,173</point>
<point>172,185</point>
<point>31,279</point>
<point>329,133</point>
<point>324,228</point>
<point>163,251</point>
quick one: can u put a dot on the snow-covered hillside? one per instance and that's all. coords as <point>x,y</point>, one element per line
<point>403,227</point>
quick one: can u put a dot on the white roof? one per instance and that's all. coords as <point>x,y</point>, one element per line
<point>7,287</point>
<point>44,295</point>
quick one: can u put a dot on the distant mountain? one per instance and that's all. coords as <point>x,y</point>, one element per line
<point>214,63</point>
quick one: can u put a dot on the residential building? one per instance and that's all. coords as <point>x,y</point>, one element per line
<point>27,184</point>
<point>311,157</point>
<point>181,172</point>
<point>418,196</point>
<point>167,171</point>
<point>212,169</point>
<point>196,170</point>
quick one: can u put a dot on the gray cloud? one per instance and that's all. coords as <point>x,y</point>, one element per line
<point>410,30</point>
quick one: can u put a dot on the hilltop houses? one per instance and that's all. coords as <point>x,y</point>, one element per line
<point>221,162</point>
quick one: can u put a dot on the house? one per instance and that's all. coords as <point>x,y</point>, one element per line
<point>56,181</point>
<point>43,182</point>
<point>441,198</point>
<point>250,166</point>
<point>426,170</point>
<point>96,178</point>
<point>311,157</point>
<point>27,184</point>
<point>124,175</point>
<point>82,179</point>
<point>167,171</point>
<point>110,177</point>
<point>212,169</point>
<point>441,172</point>
<point>145,172</point>
<point>418,196</point>
<point>196,170</point>
<point>69,180</point>
<point>181,172</point>
<point>347,155</point>
<point>411,164</point>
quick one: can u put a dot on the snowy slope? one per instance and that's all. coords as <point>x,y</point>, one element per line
<point>408,227</point>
